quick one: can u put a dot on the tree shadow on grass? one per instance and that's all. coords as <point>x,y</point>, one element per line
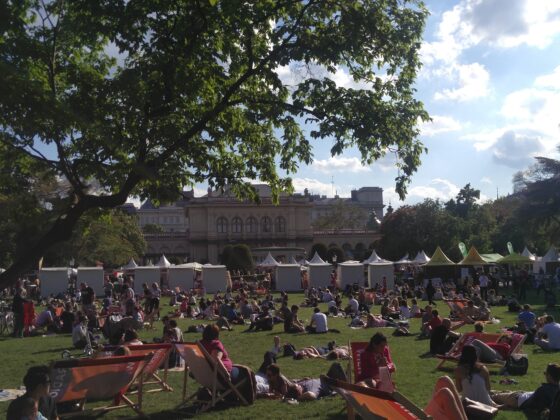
<point>57,350</point>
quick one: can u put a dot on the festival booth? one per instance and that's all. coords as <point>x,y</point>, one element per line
<point>350,272</point>
<point>214,278</point>
<point>319,272</point>
<point>421,258</point>
<point>439,266</point>
<point>130,267</point>
<point>164,265</point>
<point>93,277</point>
<point>148,275</point>
<point>183,275</point>
<point>54,280</point>
<point>288,277</point>
<point>549,262</point>
<point>378,270</point>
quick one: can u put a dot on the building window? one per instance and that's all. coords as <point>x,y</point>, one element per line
<point>236,225</point>
<point>266,225</point>
<point>222,225</point>
<point>280,225</point>
<point>251,226</point>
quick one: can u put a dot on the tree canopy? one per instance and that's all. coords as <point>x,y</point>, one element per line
<point>142,98</point>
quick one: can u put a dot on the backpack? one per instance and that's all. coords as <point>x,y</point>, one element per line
<point>517,364</point>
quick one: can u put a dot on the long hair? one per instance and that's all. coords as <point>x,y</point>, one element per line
<point>376,339</point>
<point>468,360</point>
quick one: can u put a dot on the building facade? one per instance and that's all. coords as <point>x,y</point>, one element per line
<point>198,228</point>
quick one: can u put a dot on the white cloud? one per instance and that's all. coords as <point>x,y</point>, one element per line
<point>472,81</point>
<point>549,80</point>
<point>439,124</point>
<point>486,180</point>
<point>516,150</point>
<point>314,186</point>
<point>340,164</point>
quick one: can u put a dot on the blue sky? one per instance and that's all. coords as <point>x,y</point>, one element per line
<point>491,83</point>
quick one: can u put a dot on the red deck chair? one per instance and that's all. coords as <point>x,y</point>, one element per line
<point>160,357</point>
<point>86,380</point>
<point>356,352</point>
<point>28,317</point>
<point>369,403</point>
<point>454,354</point>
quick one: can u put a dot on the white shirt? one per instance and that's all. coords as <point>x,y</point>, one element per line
<point>483,280</point>
<point>327,297</point>
<point>353,303</point>
<point>319,319</point>
<point>552,330</point>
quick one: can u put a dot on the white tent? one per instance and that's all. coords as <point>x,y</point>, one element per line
<point>350,272</point>
<point>147,275</point>
<point>421,258</point>
<point>182,276</point>
<point>54,280</point>
<point>131,265</point>
<point>163,263</point>
<point>303,261</point>
<point>214,278</point>
<point>376,272</point>
<point>288,277</point>
<point>269,261</point>
<point>319,272</point>
<point>94,277</point>
<point>550,256</point>
<point>527,253</point>
<point>403,260</point>
<point>316,259</point>
<point>293,260</point>
<point>374,258</point>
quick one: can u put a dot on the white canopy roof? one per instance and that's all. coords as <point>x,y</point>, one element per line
<point>292,260</point>
<point>375,259</point>
<point>194,265</point>
<point>403,260</point>
<point>421,258</point>
<point>303,261</point>
<point>317,260</point>
<point>527,253</point>
<point>551,255</point>
<point>350,263</point>
<point>269,261</point>
<point>131,265</point>
<point>163,262</point>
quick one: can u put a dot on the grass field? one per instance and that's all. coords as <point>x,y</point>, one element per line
<point>415,376</point>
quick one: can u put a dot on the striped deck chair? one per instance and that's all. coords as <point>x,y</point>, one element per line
<point>212,375</point>
<point>369,403</point>
<point>86,380</point>
<point>160,357</point>
<point>454,354</point>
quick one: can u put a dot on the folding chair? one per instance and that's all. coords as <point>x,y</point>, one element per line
<point>211,374</point>
<point>160,357</point>
<point>454,354</point>
<point>356,352</point>
<point>85,380</point>
<point>369,403</point>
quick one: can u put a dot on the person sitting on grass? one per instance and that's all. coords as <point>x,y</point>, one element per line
<point>37,387</point>
<point>541,399</point>
<point>318,324</point>
<point>263,321</point>
<point>551,330</point>
<point>291,323</point>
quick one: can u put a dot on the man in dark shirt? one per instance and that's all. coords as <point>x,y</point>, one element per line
<point>442,338</point>
<point>539,400</point>
<point>18,310</point>
<point>37,383</point>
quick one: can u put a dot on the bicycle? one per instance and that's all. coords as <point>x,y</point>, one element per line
<point>6,323</point>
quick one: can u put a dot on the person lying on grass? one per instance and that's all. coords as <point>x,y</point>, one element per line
<point>541,399</point>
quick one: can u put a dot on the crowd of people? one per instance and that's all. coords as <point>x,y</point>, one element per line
<point>121,313</point>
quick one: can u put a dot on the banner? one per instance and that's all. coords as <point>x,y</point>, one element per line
<point>463,249</point>
<point>510,248</point>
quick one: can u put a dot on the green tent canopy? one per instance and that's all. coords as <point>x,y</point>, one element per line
<point>439,259</point>
<point>473,258</point>
<point>491,258</point>
<point>515,259</point>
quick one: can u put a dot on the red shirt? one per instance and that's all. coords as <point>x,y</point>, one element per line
<point>435,322</point>
<point>216,345</point>
<point>371,362</point>
<point>502,348</point>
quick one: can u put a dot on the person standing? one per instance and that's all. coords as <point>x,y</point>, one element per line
<point>18,310</point>
<point>430,291</point>
<point>483,283</point>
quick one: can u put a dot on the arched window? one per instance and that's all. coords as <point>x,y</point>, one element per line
<point>222,225</point>
<point>251,225</point>
<point>280,225</point>
<point>266,225</point>
<point>236,225</point>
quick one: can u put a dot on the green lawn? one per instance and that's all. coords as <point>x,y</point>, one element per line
<point>415,375</point>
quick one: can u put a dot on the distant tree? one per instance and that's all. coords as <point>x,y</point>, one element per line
<point>227,254</point>
<point>335,250</point>
<point>241,258</point>
<point>464,202</point>
<point>320,249</point>
<point>152,228</point>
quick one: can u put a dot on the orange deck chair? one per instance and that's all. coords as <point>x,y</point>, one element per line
<point>355,373</point>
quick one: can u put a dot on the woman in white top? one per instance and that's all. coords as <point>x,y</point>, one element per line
<point>472,378</point>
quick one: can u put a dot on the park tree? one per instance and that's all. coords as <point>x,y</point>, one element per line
<point>465,202</point>
<point>152,228</point>
<point>140,98</point>
<point>335,250</point>
<point>321,249</point>
<point>241,258</point>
